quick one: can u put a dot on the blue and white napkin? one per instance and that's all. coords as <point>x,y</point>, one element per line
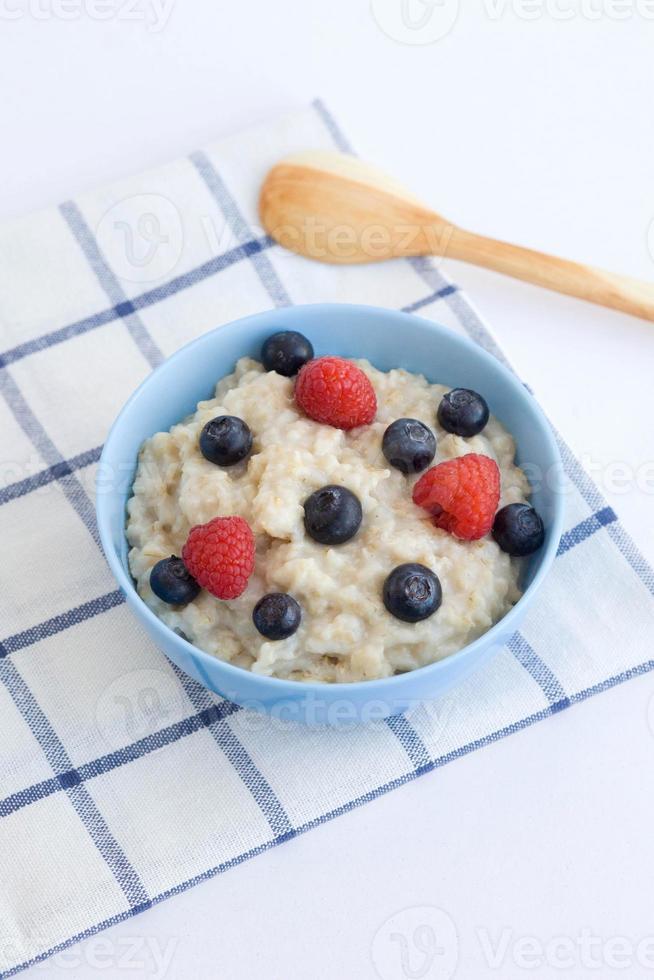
<point>106,752</point>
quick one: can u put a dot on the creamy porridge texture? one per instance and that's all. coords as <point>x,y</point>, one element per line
<point>345,633</point>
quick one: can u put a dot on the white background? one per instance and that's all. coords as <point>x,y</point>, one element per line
<point>538,131</point>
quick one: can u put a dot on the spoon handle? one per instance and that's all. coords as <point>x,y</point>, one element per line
<point>584,281</point>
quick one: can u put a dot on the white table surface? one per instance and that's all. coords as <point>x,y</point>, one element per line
<point>534,130</point>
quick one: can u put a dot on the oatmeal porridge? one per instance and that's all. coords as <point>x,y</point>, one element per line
<point>331,521</point>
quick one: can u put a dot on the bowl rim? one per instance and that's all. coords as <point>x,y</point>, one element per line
<point>371,687</point>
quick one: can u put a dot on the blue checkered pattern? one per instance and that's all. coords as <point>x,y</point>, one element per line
<point>123,781</point>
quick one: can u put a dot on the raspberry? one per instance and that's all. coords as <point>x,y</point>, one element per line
<point>220,555</point>
<point>461,495</point>
<point>336,392</point>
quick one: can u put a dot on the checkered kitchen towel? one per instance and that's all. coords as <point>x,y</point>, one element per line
<point>95,725</point>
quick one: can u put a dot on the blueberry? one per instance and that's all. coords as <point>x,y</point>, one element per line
<point>172,582</point>
<point>409,445</point>
<point>285,352</point>
<point>277,615</point>
<point>518,529</point>
<point>332,515</point>
<point>463,412</point>
<point>225,440</point>
<point>412,592</point>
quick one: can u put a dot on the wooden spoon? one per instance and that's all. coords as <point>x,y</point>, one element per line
<point>332,207</point>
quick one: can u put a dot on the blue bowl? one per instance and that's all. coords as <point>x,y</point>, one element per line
<point>389,340</point>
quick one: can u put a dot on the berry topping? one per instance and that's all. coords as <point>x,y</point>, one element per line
<point>277,615</point>
<point>285,352</point>
<point>220,555</point>
<point>463,412</point>
<point>336,392</point>
<point>518,529</point>
<point>461,494</point>
<point>332,515</point>
<point>409,445</point>
<point>172,582</point>
<point>225,440</point>
<point>412,592</point>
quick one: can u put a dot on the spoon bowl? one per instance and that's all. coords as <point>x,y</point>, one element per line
<point>389,339</point>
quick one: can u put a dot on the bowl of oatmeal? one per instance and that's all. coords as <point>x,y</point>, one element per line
<point>330,512</point>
